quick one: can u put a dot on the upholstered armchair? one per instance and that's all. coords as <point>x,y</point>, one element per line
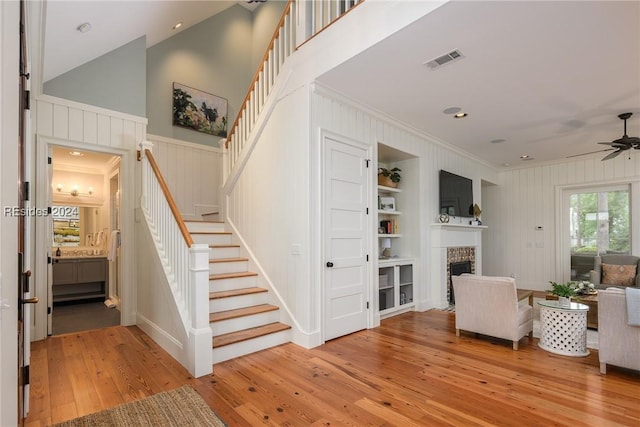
<point>619,343</point>
<point>616,270</point>
<point>489,306</point>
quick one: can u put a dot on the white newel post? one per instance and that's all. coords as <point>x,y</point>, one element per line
<point>200,332</point>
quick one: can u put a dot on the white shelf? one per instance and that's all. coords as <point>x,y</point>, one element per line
<point>385,189</point>
<point>387,212</point>
<point>389,235</point>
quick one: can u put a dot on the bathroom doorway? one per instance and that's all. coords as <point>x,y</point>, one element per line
<point>85,243</point>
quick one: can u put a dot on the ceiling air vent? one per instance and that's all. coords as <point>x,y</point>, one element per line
<point>452,56</point>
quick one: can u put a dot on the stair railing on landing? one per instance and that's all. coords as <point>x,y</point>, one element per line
<point>300,21</point>
<point>186,264</point>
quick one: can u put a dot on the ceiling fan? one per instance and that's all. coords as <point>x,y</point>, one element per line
<point>619,145</point>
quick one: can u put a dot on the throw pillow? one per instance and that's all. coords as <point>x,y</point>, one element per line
<point>619,275</point>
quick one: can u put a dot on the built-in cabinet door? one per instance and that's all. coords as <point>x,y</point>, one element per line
<point>65,272</point>
<point>92,270</point>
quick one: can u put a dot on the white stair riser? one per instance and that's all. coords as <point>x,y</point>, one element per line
<point>212,239</point>
<point>241,301</point>
<point>250,346</point>
<point>228,267</point>
<point>244,322</point>
<point>232,284</point>
<point>204,226</point>
<point>224,252</point>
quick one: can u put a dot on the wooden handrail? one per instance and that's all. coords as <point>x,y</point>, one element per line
<point>233,128</point>
<point>167,194</point>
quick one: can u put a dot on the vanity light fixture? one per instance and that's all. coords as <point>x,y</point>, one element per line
<point>74,191</point>
<point>76,153</point>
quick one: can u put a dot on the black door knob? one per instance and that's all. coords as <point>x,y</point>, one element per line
<point>329,264</point>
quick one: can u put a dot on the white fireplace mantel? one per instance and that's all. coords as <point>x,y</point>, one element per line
<point>445,236</point>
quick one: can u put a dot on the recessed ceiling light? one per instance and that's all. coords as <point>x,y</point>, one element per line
<point>497,141</point>
<point>76,153</point>
<point>84,27</point>
<point>506,164</point>
<point>451,110</point>
<point>460,115</point>
<point>526,157</point>
<point>178,25</point>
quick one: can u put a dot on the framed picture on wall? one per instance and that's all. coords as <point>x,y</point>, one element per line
<point>198,110</point>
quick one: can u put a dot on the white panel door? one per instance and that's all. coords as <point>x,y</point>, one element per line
<point>346,189</point>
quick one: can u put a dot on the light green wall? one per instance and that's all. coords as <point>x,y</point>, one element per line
<point>116,80</point>
<point>265,19</point>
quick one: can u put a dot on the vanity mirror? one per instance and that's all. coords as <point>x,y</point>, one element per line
<point>75,226</point>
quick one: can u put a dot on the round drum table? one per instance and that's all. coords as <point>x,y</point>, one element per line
<point>563,329</point>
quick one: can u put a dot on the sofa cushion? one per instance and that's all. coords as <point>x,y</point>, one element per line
<point>619,275</point>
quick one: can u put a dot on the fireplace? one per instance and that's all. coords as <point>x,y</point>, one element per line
<point>456,269</point>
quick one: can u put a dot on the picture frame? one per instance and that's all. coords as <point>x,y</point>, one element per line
<point>200,111</point>
<point>388,203</point>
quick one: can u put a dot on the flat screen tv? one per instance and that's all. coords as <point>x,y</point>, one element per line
<point>456,195</point>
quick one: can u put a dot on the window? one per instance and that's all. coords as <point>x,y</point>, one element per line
<point>598,224</point>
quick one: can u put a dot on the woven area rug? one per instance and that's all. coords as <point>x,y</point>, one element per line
<point>176,408</point>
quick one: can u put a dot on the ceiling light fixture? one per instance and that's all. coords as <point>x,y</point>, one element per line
<point>76,153</point>
<point>176,26</point>
<point>460,115</point>
<point>526,157</point>
<point>84,27</point>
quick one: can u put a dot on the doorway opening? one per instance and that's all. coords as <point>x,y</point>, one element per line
<point>84,280</point>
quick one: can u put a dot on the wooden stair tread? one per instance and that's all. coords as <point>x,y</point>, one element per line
<point>206,221</point>
<point>223,246</point>
<point>209,232</point>
<point>232,275</point>
<point>235,292</point>
<point>247,334</point>
<point>241,312</point>
<point>211,261</point>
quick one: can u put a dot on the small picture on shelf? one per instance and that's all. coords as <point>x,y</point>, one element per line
<point>388,203</point>
<point>382,230</point>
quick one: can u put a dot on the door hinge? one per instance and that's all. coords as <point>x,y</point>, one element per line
<point>367,211</point>
<point>48,260</point>
<point>366,161</point>
<point>49,160</point>
<point>25,374</point>
<point>367,305</point>
<point>26,186</point>
<point>367,257</point>
<point>48,310</point>
<point>27,100</point>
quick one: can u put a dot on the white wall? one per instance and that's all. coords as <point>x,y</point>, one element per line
<point>526,198</point>
<point>192,172</point>
<point>9,60</point>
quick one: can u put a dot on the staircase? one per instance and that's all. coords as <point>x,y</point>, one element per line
<point>241,318</point>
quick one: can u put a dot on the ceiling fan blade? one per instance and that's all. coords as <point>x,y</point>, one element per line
<point>611,155</point>
<point>590,152</point>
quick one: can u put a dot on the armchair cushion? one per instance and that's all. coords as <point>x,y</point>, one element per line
<point>619,275</point>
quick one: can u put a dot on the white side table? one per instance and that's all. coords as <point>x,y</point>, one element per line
<point>563,329</point>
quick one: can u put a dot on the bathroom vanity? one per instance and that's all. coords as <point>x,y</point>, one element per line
<point>78,278</point>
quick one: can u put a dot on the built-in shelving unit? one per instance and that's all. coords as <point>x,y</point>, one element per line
<point>396,229</point>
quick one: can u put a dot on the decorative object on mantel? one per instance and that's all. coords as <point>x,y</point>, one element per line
<point>389,178</point>
<point>564,292</point>
<point>476,214</point>
<point>443,218</point>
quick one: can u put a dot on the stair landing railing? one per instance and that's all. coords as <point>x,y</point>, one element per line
<point>186,264</point>
<point>300,21</point>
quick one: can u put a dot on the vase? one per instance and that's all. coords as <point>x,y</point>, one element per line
<point>564,301</point>
<point>386,181</point>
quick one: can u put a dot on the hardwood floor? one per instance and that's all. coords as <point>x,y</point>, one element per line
<point>411,371</point>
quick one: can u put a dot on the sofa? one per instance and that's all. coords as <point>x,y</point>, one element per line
<point>598,278</point>
<point>489,306</point>
<point>619,343</point>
